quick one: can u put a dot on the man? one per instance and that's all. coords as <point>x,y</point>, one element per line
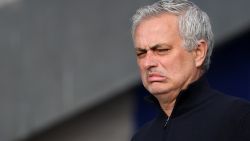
<point>173,42</point>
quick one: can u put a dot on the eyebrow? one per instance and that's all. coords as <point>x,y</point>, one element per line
<point>156,46</point>
<point>152,47</point>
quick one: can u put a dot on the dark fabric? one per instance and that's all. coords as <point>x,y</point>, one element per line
<point>200,114</point>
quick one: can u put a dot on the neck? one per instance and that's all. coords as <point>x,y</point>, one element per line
<point>167,101</point>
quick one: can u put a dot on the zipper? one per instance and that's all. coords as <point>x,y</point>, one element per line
<point>166,122</point>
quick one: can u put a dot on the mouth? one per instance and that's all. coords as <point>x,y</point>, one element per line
<point>154,77</point>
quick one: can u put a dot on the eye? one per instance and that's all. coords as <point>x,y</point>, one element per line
<point>140,53</point>
<point>162,51</point>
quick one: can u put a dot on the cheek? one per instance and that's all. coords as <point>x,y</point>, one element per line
<point>141,69</point>
<point>143,77</point>
<point>139,64</point>
<point>178,64</point>
<point>185,67</point>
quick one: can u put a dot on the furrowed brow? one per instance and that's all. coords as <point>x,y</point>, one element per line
<point>163,45</point>
<point>152,47</point>
<point>140,49</point>
<point>155,46</point>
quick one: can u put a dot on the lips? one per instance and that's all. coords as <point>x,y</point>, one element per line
<point>155,77</point>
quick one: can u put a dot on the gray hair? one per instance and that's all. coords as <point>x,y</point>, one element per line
<point>194,24</point>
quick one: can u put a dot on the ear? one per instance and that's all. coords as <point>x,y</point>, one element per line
<point>200,53</point>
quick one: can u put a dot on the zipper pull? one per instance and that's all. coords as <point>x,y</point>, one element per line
<point>166,122</point>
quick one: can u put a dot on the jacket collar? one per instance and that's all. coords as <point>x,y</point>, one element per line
<point>188,99</point>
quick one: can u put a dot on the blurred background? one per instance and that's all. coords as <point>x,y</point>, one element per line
<point>68,69</point>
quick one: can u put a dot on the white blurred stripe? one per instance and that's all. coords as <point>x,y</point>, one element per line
<point>6,2</point>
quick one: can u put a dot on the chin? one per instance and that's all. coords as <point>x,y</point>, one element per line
<point>157,90</point>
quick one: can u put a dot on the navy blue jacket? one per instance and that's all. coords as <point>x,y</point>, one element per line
<point>200,114</point>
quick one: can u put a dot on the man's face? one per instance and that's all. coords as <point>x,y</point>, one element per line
<point>165,65</point>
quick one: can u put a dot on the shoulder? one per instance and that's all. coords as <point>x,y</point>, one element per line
<point>231,108</point>
<point>224,100</point>
<point>234,104</point>
<point>235,109</point>
<point>238,107</point>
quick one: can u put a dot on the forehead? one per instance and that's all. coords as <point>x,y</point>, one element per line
<point>164,19</point>
<point>156,29</point>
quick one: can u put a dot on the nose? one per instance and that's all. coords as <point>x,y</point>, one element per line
<point>150,60</point>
